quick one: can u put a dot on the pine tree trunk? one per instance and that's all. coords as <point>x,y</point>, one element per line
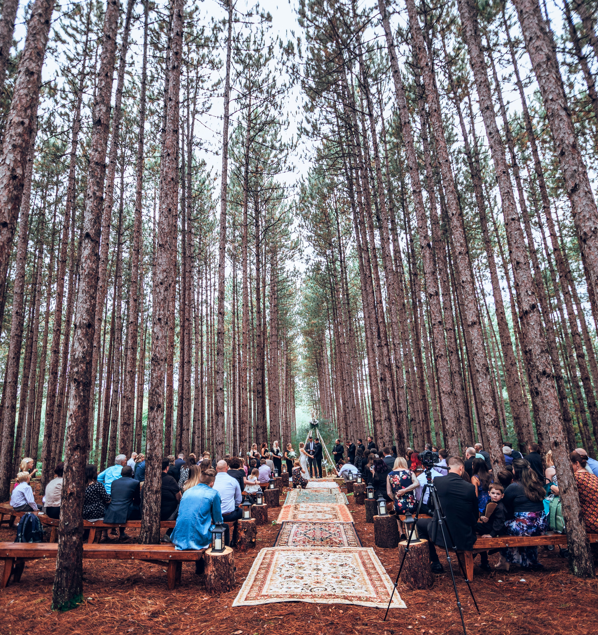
<point>7,28</point>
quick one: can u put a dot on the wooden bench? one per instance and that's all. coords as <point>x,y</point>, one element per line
<point>15,555</point>
<point>7,510</point>
<point>501,542</point>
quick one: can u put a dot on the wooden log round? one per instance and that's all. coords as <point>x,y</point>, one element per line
<point>371,509</point>
<point>260,513</point>
<point>219,571</point>
<point>285,479</point>
<point>272,497</point>
<point>278,483</point>
<point>349,485</point>
<point>386,532</point>
<point>359,493</point>
<point>246,534</point>
<point>416,573</point>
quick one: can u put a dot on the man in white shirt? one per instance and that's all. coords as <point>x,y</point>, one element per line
<point>442,462</point>
<point>131,461</point>
<point>346,468</point>
<point>230,493</point>
<point>423,479</point>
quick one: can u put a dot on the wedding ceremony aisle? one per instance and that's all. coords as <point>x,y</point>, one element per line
<point>317,557</point>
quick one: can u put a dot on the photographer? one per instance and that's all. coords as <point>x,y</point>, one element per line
<point>459,503</point>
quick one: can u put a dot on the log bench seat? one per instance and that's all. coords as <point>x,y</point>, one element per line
<point>12,515</point>
<point>500,542</point>
<point>15,555</point>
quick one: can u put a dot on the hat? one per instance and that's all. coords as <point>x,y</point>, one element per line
<point>507,450</point>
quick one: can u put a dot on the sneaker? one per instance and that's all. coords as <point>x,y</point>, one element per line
<point>437,567</point>
<point>537,567</point>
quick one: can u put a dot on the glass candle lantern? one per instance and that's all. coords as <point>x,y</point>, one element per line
<point>382,507</point>
<point>218,532</point>
<point>370,491</point>
<point>246,510</point>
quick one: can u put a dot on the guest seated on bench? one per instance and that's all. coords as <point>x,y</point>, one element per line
<point>170,493</point>
<point>54,493</point>
<point>237,472</point>
<point>230,494</point>
<point>125,501</point>
<point>492,523</point>
<point>525,507</point>
<point>111,474</point>
<point>460,504</point>
<point>96,498</point>
<point>252,486</point>
<point>587,488</point>
<point>22,499</point>
<point>27,465</point>
<point>401,484</point>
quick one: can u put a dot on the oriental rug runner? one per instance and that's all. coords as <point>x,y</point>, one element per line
<point>315,496</point>
<point>321,484</point>
<point>322,576</point>
<point>304,534</point>
<point>315,512</point>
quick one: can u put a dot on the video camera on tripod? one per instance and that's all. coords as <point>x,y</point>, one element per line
<point>429,459</point>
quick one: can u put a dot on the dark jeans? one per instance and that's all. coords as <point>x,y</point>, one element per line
<point>23,508</point>
<point>229,518</point>
<point>318,467</point>
<point>311,466</point>
<point>53,512</point>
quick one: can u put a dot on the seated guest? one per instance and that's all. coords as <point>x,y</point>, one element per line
<point>587,488</point>
<point>298,479</point>
<point>393,451</point>
<point>54,493</point>
<point>199,510</point>
<point>508,452</point>
<point>140,468</point>
<point>493,524</point>
<point>459,503</point>
<point>170,493</point>
<point>388,458</point>
<point>401,484</point>
<point>96,499</point>
<point>524,501</point>
<point>469,457</point>
<point>111,474</point>
<point>265,471</point>
<point>191,460</point>
<point>483,454</point>
<point>252,485</point>
<point>505,478</point>
<point>379,473</point>
<point>441,466</point>
<point>270,462</point>
<point>416,464</point>
<point>481,480</point>
<point>237,472</point>
<point>230,495</point>
<point>535,460</point>
<point>21,499</point>
<point>132,462</point>
<point>175,467</point>
<point>591,465</point>
<point>347,468</point>
<point>27,465</point>
<point>125,500</point>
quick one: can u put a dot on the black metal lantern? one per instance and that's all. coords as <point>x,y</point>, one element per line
<point>370,492</point>
<point>359,479</point>
<point>218,532</point>
<point>271,483</point>
<point>246,510</point>
<point>382,507</point>
<point>259,497</point>
<point>275,472</point>
<point>411,528</point>
<point>350,476</point>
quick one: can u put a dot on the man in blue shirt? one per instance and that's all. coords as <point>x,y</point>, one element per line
<point>592,464</point>
<point>230,495</point>
<point>112,473</point>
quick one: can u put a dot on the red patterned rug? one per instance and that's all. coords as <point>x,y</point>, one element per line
<point>315,512</point>
<point>298,534</point>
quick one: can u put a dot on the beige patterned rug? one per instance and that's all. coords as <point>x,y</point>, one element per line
<point>322,576</point>
<point>321,484</point>
<point>315,496</point>
<point>299,534</point>
<point>315,512</point>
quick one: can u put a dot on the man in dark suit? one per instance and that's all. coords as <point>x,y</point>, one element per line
<point>175,470</point>
<point>310,448</point>
<point>360,445</point>
<point>124,503</point>
<point>460,505</point>
<point>351,449</point>
<point>318,458</point>
<point>535,460</point>
<point>338,451</point>
<point>371,443</point>
<point>388,458</point>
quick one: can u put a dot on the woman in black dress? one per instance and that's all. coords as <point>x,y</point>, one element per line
<point>276,456</point>
<point>290,459</point>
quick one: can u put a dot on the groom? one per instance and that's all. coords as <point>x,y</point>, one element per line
<point>318,458</point>
<point>310,449</point>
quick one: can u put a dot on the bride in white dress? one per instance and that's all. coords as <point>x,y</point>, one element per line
<point>303,460</point>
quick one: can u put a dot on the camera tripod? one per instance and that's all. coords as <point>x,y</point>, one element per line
<point>434,504</point>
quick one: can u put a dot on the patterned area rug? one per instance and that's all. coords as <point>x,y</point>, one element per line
<point>322,576</point>
<point>315,496</point>
<point>337,535</point>
<point>321,484</point>
<point>315,512</point>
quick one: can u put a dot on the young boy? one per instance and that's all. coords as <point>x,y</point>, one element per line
<point>493,526</point>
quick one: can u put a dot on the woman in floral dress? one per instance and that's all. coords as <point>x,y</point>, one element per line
<point>401,484</point>
<point>587,488</point>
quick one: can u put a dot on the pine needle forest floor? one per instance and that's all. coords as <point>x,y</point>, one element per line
<point>122,597</point>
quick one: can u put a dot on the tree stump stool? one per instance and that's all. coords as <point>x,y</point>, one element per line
<point>359,493</point>
<point>260,513</point>
<point>339,481</point>
<point>371,509</point>
<point>272,497</point>
<point>246,534</point>
<point>349,485</point>
<point>278,483</point>
<point>285,479</point>
<point>219,570</point>
<point>386,532</point>
<point>416,573</point>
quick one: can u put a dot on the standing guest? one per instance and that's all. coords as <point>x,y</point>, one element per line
<point>380,472</point>
<point>140,468</point>
<point>591,465</point>
<point>264,451</point>
<point>253,453</point>
<point>184,473</point>
<point>111,474</point>
<point>276,453</point>
<point>360,446</point>
<point>230,494</point>
<point>124,500</point>
<point>587,488</point>
<point>252,486</point>
<point>27,465</point>
<point>458,500</point>
<point>508,451</point>
<point>54,493</point>
<point>338,451</point>
<point>171,494</point>
<point>96,499</point>
<point>132,462</point>
<point>360,461</point>
<point>269,463</point>
<point>21,499</point>
<point>401,484</point>
<point>368,473</point>
<point>237,472</point>
<point>535,460</point>
<point>289,457</point>
<point>298,479</point>
<point>200,508</point>
<point>441,466</point>
<point>481,480</point>
<point>393,451</point>
<point>524,500</point>
<point>388,458</point>
<point>479,448</point>
<point>351,451</point>
<point>265,472</point>
<point>469,457</point>
<point>371,444</point>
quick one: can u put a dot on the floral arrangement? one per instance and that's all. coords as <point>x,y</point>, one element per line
<point>292,455</point>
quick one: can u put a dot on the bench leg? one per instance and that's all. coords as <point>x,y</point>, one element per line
<point>11,522</point>
<point>53,535</point>
<point>171,575</point>
<point>92,536</point>
<point>8,562</point>
<point>179,572</point>
<point>466,561</point>
<point>18,569</point>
